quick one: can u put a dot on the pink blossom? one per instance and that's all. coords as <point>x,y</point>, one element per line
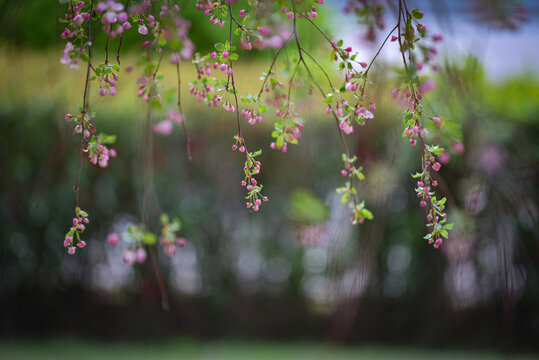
<point>143,30</point>
<point>458,147</point>
<point>175,116</point>
<point>264,30</point>
<point>122,17</point>
<point>163,127</point>
<point>444,157</point>
<point>128,257</point>
<point>140,255</point>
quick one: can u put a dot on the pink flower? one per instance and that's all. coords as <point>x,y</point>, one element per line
<point>181,242</point>
<point>140,255</point>
<point>170,250</point>
<point>143,30</point>
<point>163,127</point>
<point>175,58</point>
<point>123,17</point>
<point>437,166</point>
<point>290,15</point>
<point>444,157</point>
<point>128,257</point>
<point>264,30</point>
<point>71,250</point>
<point>393,38</point>
<point>458,147</point>
<point>175,116</point>
<point>223,67</point>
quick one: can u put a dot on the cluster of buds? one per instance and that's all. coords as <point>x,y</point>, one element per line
<point>98,152</point>
<point>169,239</point>
<point>203,89</point>
<point>436,217</point>
<point>107,76</point>
<point>113,17</point>
<point>346,114</point>
<point>253,116</point>
<point>84,124</point>
<point>79,221</point>
<point>165,10</point>
<point>215,10</point>
<point>287,129</point>
<point>138,238</point>
<point>148,88</point>
<point>70,56</point>
<point>251,168</point>
<point>229,107</point>
<point>75,17</point>
<point>348,191</point>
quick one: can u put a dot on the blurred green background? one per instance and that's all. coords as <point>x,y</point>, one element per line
<point>294,280</point>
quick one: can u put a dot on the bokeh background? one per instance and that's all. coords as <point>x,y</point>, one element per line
<point>295,280</point>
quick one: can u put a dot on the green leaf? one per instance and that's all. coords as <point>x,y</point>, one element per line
<point>328,99</point>
<point>367,214</point>
<point>306,208</point>
<point>164,219</point>
<point>233,56</point>
<point>444,233</point>
<point>448,227</point>
<point>280,142</point>
<point>262,108</point>
<point>220,47</point>
<point>149,238</point>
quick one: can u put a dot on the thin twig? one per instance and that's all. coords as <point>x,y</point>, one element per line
<point>187,139</point>
<point>84,102</point>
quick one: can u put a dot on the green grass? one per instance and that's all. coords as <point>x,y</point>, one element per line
<point>223,350</point>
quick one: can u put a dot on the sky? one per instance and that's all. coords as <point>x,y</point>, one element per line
<point>503,52</point>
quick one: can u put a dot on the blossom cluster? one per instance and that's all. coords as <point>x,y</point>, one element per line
<point>81,218</point>
<point>113,17</point>
<point>107,76</point>
<point>137,239</point>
